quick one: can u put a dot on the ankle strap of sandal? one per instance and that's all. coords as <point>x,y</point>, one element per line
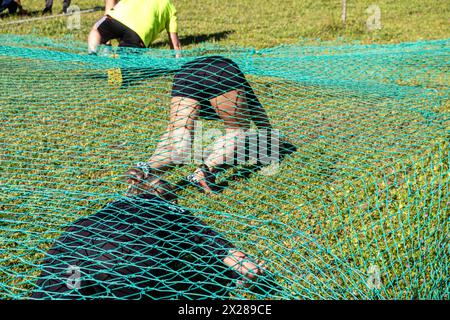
<point>145,167</point>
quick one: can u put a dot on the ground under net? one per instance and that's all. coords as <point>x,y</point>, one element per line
<point>357,210</point>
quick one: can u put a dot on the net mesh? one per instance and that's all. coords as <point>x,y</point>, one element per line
<point>358,210</point>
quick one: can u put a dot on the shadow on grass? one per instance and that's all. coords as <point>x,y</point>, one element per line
<point>245,172</point>
<point>198,38</point>
<point>130,76</point>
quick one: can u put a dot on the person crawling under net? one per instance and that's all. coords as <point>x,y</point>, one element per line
<point>143,247</point>
<point>211,87</point>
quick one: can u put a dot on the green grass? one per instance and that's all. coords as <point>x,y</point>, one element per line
<point>369,184</point>
<point>266,23</point>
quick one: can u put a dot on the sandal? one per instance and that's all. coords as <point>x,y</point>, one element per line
<point>140,178</point>
<point>203,178</point>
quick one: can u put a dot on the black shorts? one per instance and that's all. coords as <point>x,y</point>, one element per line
<point>206,78</point>
<point>110,28</point>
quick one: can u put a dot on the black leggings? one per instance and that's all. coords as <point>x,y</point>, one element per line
<point>134,248</point>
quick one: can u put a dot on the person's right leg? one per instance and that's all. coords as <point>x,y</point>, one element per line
<point>48,6</point>
<point>95,38</point>
<point>175,145</point>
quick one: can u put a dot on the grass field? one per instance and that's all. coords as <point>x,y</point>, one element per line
<point>262,23</point>
<point>368,185</point>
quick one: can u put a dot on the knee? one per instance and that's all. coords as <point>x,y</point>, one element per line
<point>94,39</point>
<point>94,34</point>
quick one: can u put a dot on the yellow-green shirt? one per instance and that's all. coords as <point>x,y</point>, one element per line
<point>148,18</point>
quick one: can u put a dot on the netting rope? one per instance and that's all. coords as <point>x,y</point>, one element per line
<point>358,210</point>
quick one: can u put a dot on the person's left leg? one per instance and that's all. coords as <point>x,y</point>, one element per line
<point>66,5</point>
<point>130,39</point>
<point>48,7</point>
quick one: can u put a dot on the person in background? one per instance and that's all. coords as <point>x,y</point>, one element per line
<point>66,4</point>
<point>49,5</point>
<point>136,24</point>
<point>13,6</point>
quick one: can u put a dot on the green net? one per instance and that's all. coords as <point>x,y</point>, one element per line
<point>357,210</point>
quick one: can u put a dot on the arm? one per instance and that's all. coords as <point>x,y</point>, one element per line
<point>209,242</point>
<point>172,30</point>
<point>175,43</point>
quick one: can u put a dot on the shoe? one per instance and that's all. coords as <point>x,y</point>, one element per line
<point>142,171</point>
<point>145,180</point>
<point>47,10</point>
<point>141,178</point>
<point>203,178</point>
